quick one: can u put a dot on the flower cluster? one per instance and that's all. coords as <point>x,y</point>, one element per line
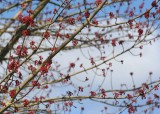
<point>12,93</point>
<point>21,51</point>
<point>140,32</point>
<point>26,20</point>
<point>95,22</point>
<point>17,83</point>
<point>35,83</point>
<point>25,102</point>
<point>98,2</point>
<point>68,104</point>
<point>113,42</point>
<point>71,21</point>
<point>87,14</point>
<point>32,45</point>
<point>72,65</point>
<point>46,35</point>
<point>44,69</point>
<point>103,92</point>
<point>111,15</point>
<point>25,32</point>
<point>13,65</point>
<point>93,94</point>
<point>74,42</point>
<point>131,109</point>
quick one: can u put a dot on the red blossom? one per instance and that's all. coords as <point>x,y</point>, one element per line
<point>30,11</point>
<point>25,33</point>
<point>92,61</point>
<point>67,36</point>
<point>70,104</point>
<point>2,103</point>
<point>98,2</point>
<point>122,92</point>
<point>103,92</point>
<point>158,11</point>
<point>7,113</point>
<point>36,99</point>
<point>142,5</point>
<point>111,15</point>
<point>74,42</point>
<point>145,86</point>
<point>140,31</point>
<point>12,93</point>
<point>25,102</point>
<point>146,15</point>
<point>93,93</point>
<point>34,83</point>
<point>131,109</point>
<point>141,93</point>
<point>26,20</point>
<point>116,95</point>
<point>21,51</point>
<point>53,49</point>
<point>46,35</point>
<point>149,102</point>
<point>156,96</point>
<point>45,87</point>
<point>154,4</point>
<point>156,87</point>
<point>113,42</point>
<point>129,97</point>
<point>121,42</point>
<point>130,36</point>
<point>87,14</point>
<point>141,47</point>
<point>58,34</point>
<point>55,11</point>
<point>71,21</point>
<point>102,38</point>
<point>130,22</point>
<point>13,65</point>
<point>110,64</point>
<point>79,18</point>
<point>134,100</point>
<point>20,17</point>
<point>72,65</point>
<point>95,22</point>
<point>32,43</point>
<point>131,13</point>
<point>44,69</point>
<point>17,83</point>
<point>31,112</point>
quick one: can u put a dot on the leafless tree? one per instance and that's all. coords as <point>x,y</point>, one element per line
<point>52,51</point>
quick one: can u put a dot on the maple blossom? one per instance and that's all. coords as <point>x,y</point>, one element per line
<point>79,56</point>
<point>12,93</point>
